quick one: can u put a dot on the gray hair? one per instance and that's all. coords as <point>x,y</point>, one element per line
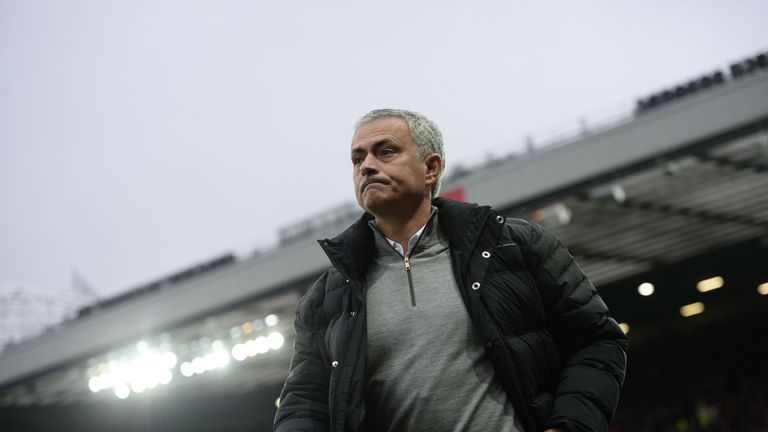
<point>425,135</point>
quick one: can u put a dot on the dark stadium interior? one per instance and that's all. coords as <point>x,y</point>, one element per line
<point>702,373</point>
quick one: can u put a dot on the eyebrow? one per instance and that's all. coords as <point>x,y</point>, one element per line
<point>375,146</point>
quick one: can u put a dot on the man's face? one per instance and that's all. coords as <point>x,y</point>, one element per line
<point>387,171</point>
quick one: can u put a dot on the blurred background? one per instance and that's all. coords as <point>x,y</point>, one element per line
<point>166,167</point>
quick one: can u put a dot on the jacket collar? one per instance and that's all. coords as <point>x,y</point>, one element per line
<point>352,250</point>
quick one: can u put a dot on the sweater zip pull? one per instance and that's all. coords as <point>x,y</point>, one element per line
<point>407,263</point>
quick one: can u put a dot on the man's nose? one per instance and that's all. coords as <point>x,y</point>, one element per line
<point>368,165</point>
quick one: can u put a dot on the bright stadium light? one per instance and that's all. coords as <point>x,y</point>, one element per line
<point>262,345</point>
<point>169,360</point>
<point>646,289</point>
<point>710,284</point>
<point>221,359</point>
<point>554,215</point>
<point>146,371</point>
<point>165,377</point>
<point>209,360</point>
<point>247,328</point>
<point>610,192</point>
<point>94,384</point>
<point>763,288</point>
<point>692,309</point>
<point>143,361</point>
<point>271,320</point>
<point>239,352</point>
<point>119,375</point>
<point>258,324</point>
<point>250,348</point>
<point>122,391</point>
<point>151,379</point>
<point>198,365</point>
<point>186,369</point>
<point>275,340</point>
<point>108,380</point>
<point>137,385</point>
<point>624,327</point>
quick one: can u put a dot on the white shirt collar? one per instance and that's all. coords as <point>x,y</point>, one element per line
<point>411,242</point>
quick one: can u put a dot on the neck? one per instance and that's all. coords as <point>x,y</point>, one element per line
<point>402,227</point>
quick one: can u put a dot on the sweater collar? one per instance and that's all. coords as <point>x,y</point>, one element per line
<point>351,251</point>
<point>378,235</point>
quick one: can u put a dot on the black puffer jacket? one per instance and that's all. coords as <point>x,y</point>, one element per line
<point>556,351</point>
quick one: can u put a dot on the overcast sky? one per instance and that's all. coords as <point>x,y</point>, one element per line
<point>139,137</point>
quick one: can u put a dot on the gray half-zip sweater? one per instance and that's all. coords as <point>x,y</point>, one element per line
<point>426,369</point>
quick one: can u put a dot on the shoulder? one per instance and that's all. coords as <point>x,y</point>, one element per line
<point>523,232</point>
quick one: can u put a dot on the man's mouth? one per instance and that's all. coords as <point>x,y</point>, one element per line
<point>368,183</point>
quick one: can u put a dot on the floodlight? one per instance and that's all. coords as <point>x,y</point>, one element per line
<point>646,289</point>
<point>262,345</point>
<point>250,348</point>
<point>275,340</point>
<point>247,328</point>
<point>186,369</point>
<point>239,352</point>
<point>221,359</point>
<point>710,284</point>
<point>169,360</point>
<point>763,289</point>
<point>271,320</point>
<point>198,365</point>
<point>138,386</point>
<point>165,377</point>
<point>94,384</point>
<point>209,360</point>
<point>122,391</point>
<point>624,327</point>
<point>692,309</point>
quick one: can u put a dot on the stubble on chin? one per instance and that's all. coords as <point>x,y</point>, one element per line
<point>372,202</point>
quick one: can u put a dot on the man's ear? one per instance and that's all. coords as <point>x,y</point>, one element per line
<point>434,165</point>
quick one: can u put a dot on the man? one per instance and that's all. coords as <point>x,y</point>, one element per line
<point>445,316</point>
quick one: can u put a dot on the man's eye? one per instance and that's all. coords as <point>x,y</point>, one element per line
<point>356,161</point>
<point>387,152</point>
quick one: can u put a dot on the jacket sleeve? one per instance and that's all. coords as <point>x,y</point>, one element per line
<point>304,400</point>
<point>591,345</point>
